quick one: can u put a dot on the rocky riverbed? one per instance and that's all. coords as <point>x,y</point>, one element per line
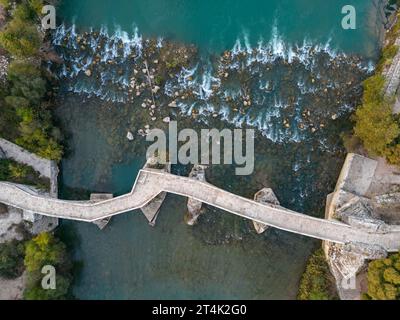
<point>288,93</point>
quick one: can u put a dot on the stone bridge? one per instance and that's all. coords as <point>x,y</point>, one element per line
<point>150,182</point>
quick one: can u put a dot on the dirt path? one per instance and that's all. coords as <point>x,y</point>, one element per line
<point>12,289</point>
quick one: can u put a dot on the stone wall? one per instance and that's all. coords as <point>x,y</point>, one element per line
<point>13,217</point>
<point>46,168</point>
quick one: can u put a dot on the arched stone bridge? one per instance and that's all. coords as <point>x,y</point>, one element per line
<point>150,183</point>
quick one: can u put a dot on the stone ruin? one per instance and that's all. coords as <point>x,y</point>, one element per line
<point>359,196</point>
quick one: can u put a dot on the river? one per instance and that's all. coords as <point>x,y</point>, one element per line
<point>305,76</point>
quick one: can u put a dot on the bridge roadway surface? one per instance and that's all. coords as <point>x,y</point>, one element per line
<point>149,183</point>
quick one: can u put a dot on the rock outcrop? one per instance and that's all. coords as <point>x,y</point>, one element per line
<point>266,196</point>
<point>358,212</point>
<point>3,68</point>
<point>351,203</point>
<point>346,261</point>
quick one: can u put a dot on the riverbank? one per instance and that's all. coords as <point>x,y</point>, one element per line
<point>287,164</point>
<point>32,150</point>
<point>366,191</point>
<point>27,95</point>
<point>298,123</point>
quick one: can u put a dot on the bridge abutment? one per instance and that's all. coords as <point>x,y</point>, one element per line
<point>152,209</point>
<point>354,202</point>
<point>194,206</point>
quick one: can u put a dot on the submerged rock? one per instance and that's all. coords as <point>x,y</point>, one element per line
<point>173,104</point>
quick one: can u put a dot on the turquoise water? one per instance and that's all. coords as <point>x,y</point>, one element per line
<point>216,25</point>
<point>220,257</point>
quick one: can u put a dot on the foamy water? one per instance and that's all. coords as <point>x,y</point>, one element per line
<point>307,68</point>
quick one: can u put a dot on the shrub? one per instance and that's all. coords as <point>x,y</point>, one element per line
<point>19,173</point>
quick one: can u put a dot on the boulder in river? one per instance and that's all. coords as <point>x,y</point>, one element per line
<point>173,104</point>
<point>130,136</point>
<point>265,196</point>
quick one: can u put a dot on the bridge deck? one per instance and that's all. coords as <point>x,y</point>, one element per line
<point>150,183</point>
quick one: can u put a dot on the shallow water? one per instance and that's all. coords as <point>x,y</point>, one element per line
<point>220,257</point>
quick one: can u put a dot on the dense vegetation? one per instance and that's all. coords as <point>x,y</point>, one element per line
<point>376,126</point>
<point>22,174</point>
<point>43,250</point>
<point>317,283</point>
<point>25,111</point>
<point>31,256</point>
<point>384,279</point>
<point>11,259</point>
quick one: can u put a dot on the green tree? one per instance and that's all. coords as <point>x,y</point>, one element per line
<point>20,39</point>
<point>38,293</point>
<point>5,3</point>
<point>26,81</point>
<point>25,12</point>
<point>317,282</point>
<point>42,250</point>
<point>11,259</point>
<point>384,279</point>
<point>35,138</point>
<point>37,6</point>
<point>376,127</point>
